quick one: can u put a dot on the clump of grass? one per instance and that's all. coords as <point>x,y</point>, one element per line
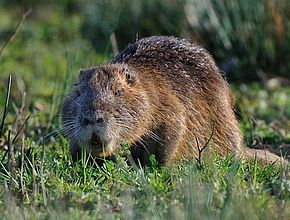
<point>250,35</point>
<point>218,190</point>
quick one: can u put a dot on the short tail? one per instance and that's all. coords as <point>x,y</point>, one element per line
<point>264,156</point>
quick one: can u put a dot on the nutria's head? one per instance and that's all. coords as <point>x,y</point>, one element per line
<point>106,107</point>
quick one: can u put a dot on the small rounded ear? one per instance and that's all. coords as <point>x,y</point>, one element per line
<point>85,73</point>
<point>129,76</point>
<point>82,74</point>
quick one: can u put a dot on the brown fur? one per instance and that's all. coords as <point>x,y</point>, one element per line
<point>163,96</point>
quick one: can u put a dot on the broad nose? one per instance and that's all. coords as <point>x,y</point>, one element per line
<point>86,120</point>
<point>89,120</point>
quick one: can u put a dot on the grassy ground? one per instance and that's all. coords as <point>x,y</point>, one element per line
<point>43,183</point>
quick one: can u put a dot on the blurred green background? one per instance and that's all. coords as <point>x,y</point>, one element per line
<point>249,39</point>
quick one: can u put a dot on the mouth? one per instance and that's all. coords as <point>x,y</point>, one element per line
<point>96,143</point>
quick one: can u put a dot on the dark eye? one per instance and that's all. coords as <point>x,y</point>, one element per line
<point>78,93</point>
<point>118,92</point>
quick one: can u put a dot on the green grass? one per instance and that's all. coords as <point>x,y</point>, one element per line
<point>222,189</point>
<point>43,60</point>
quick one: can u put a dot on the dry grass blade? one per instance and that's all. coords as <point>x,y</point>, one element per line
<point>201,149</point>
<point>114,44</point>
<point>21,128</point>
<point>14,33</point>
<point>11,160</point>
<point>42,178</point>
<point>22,167</point>
<point>17,134</point>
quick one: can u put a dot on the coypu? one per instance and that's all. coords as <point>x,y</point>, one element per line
<point>162,96</point>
